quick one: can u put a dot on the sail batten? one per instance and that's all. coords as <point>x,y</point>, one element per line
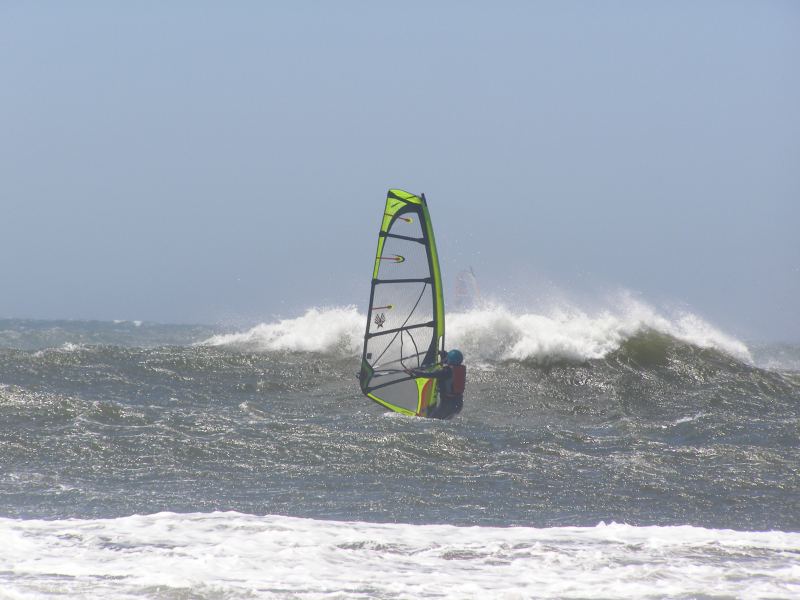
<point>399,329</point>
<point>405,318</point>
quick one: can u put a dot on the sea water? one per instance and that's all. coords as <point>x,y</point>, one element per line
<point>621,454</point>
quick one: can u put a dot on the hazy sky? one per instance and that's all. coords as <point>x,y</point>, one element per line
<point>228,161</point>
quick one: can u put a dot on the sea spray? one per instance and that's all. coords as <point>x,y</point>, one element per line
<point>495,332</point>
<point>317,330</point>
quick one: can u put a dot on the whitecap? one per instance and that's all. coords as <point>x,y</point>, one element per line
<point>237,555</point>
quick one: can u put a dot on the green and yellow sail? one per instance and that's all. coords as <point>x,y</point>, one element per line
<point>405,318</point>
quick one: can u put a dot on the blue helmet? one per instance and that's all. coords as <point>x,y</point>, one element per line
<point>454,357</point>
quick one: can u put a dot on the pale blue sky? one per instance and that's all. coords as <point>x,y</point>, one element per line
<point>207,162</point>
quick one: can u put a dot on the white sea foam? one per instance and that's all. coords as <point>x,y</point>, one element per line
<point>318,330</point>
<point>234,555</point>
<point>124,321</point>
<point>64,348</point>
<point>495,332</point>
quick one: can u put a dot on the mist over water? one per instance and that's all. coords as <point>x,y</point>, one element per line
<point>683,436</point>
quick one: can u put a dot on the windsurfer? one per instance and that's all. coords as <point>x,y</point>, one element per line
<point>452,377</point>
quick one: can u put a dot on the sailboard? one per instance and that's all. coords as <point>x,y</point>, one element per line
<point>405,318</point>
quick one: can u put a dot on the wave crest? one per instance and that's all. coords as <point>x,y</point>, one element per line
<point>324,330</point>
<point>495,333</point>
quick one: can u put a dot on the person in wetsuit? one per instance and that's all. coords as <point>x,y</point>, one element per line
<point>452,378</point>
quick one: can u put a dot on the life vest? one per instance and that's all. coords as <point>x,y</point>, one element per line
<point>459,379</point>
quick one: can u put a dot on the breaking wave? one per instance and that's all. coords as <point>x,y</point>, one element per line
<point>339,329</point>
<point>497,333</point>
<point>238,555</point>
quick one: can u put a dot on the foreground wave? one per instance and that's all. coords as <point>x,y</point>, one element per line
<point>234,555</point>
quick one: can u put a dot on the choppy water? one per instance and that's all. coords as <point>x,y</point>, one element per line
<point>609,455</point>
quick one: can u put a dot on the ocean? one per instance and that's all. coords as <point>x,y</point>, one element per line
<point>615,454</point>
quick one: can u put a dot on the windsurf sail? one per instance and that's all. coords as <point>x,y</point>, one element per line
<point>405,318</point>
